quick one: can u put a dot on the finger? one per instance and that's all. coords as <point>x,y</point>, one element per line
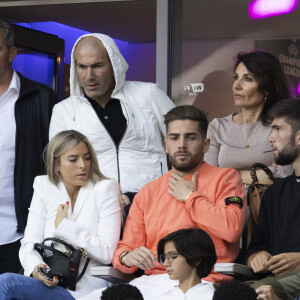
<point>47,282</point>
<point>263,289</point>
<point>280,271</point>
<point>41,278</point>
<point>172,180</point>
<point>254,266</point>
<point>257,265</point>
<point>66,206</point>
<point>262,264</point>
<point>150,253</point>
<point>266,292</point>
<point>171,185</point>
<point>274,259</point>
<point>140,262</point>
<point>54,281</point>
<point>171,192</point>
<point>277,265</point>
<point>176,176</point>
<point>42,266</point>
<point>60,208</point>
<point>257,268</point>
<point>146,259</point>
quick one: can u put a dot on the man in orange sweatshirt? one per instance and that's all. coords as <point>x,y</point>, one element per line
<point>193,193</point>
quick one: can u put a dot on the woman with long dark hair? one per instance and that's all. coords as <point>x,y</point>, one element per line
<point>241,139</point>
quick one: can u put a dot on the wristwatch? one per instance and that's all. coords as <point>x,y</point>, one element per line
<point>121,256</point>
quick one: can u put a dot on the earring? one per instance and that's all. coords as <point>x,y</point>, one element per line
<point>266,99</point>
<point>57,172</point>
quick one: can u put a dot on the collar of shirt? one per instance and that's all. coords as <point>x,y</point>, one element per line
<point>14,87</point>
<point>111,117</point>
<point>95,104</point>
<point>174,292</point>
<point>202,283</point>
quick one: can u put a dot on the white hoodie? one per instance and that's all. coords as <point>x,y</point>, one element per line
<point>140,156</point>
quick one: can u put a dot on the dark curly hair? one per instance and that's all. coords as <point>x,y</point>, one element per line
<point>122,291</point>
<point>289,109</point>
<point>234,290</point>
<point>271,80</point>
<point>195,245</point>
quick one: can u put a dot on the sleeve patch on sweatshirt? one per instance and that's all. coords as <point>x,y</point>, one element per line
<point>234,200</point>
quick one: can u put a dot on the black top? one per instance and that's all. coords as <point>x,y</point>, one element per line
<point>278,229</point>
<point>33,110</point>
<point>112,118</point>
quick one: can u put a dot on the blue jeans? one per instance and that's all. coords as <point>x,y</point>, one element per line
<point>20,287</point>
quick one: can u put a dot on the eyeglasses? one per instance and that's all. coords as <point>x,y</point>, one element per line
<point>169,257</point>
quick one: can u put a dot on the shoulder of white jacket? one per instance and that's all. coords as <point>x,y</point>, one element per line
<point>132,83</point>
<point>106,183</point>
<point>41,180</point>
<point>135,87</point>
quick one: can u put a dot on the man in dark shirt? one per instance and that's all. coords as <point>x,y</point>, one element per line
<point>275,244</point>
<point>25,112</point>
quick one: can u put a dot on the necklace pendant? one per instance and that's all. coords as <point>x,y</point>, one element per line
<point>247,146</point>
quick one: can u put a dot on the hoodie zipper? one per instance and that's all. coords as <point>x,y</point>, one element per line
<point>116,146</point>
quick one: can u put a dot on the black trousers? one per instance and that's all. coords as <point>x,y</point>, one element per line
<point>9,257</point>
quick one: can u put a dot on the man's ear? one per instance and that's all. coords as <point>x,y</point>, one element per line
<point>12,53</point>
<point>206,145</point>
<point>297,138</point>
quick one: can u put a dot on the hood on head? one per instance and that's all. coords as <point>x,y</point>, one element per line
<point>118,62</point>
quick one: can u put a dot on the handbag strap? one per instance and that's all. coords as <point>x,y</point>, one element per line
<point>39,247</point>
<point>87,260</point>
<point>56,240</point>
<point>262,167</point>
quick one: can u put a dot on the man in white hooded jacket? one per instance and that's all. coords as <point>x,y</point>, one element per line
<point>122,119</point>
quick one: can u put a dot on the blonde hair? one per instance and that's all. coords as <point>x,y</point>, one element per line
<point>62,142</point>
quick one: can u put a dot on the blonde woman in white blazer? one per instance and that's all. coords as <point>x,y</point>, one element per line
<point>75,203</point>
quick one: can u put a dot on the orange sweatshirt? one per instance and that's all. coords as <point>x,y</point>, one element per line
<point>155,213</point>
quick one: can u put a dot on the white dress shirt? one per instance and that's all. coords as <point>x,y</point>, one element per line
<point>161,287</point>
<point>8,221</point>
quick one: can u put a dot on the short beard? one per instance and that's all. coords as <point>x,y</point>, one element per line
<point>288,154</point>
<point>187,166</point>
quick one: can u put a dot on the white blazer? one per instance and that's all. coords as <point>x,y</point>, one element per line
<point>94,225</point>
